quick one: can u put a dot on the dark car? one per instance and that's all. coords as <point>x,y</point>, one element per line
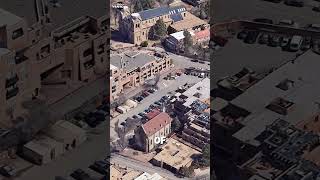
<point>251,37</point>
<point>92,121</point>
<point>201,62</point>
<point>100,167</point>
<point>263,20</point>
<point>194,60</point>
<point>275,41</point>
<point>151,91</point>
<point>317,9</point>
<point>306,44</point>
<point>157,103</point>
<point>296,3</point>
<point>139,98</point>
<point>79,174</point>
<point>242,34</point>
<point>263,38</point>
<point>141,114</point>
<point>135,117</point>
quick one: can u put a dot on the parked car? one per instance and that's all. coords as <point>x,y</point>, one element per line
<point>151,91</point>
<point>285,41</point>
<point>139,98</point>
<point>288,22</point>
<point>142,114</point>
<point>263,20</point>
<point>194,60</point>
<point>92,121</point>
<point>8,171</point>
<point>201,62</point>
<point>242,34</point>
<point>306,44</point>
<point>157,103</point>
<point>275,41</point>
<point>79,174</point>
<point>313,27</point>
<point>296,3</point>
<point>135,117</point>
<point>317,8</point>
<point>263,38</point>
<point>251,37</point>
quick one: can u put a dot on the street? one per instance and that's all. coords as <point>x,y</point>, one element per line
<point>143,167</point>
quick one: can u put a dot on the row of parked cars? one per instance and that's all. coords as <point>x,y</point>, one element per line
<point>155,106</point>
<point>94,118</point>
<point>101,167</point>
<point>290,43</point>
<point>144,94</point>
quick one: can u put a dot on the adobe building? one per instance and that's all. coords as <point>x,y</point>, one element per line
<point>136,26</point>
<point>132,69</point>
<point>41,45</point>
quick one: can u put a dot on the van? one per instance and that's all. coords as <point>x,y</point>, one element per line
<point>295,43</point>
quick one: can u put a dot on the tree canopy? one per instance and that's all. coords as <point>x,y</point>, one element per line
<point>159,30</point>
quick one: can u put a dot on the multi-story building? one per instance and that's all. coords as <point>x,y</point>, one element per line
<point>157,127</point>
<point>47,46</point>
<point>136,26</point>
<point>132,69</point>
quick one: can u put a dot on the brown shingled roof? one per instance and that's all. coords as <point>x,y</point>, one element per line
<point>156,123</point>
<point>153,114</point>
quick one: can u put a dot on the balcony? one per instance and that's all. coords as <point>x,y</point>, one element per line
<point>12,81</point>
<point>11,93</point>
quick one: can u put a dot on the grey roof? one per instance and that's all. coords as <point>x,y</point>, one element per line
<point>151,13</point>
<point>69,10</point>
<point>7,18</point>
<point>131,60</point>
<point>304,94</point>
<point>176,17</point>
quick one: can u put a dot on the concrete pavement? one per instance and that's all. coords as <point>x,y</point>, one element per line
<point>143,167</point>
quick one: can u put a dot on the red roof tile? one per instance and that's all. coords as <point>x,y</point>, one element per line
<point>156,123</point>
<point>153,114</point>
<point>202,34</point>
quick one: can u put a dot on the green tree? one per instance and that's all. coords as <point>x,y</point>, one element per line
<point>144,44</point>
<point>176,125</point>
<point>159,30</point>
<point>140,5</point>
<point>186,171</point>
<point>187,42</point>
<point>205,158</point>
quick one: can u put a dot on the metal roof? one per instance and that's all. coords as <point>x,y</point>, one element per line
<point>151,13</point>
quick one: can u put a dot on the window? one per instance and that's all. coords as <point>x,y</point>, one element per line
<point>87,52</point>
<point>17,33</point>
<point>150,141</point>
<point>45,49</point>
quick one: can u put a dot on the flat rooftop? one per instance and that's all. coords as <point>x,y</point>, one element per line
<point>176,154</point>
<point>200,91</point>
<point>304,93</point>
<point>68,11</point>
<point>7,18</point>
<point>131,60</point>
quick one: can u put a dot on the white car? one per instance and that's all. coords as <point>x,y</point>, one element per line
<point>287,22</point>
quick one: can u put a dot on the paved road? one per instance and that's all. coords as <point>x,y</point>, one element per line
<point>143,167</point>
<point>225,10</point>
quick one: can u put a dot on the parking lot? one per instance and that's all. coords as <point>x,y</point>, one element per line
<point>165,86</point>
<point>236,55</point>
<point>250,9</point>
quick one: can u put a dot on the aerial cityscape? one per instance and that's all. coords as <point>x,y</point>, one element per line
<point>264,90</point>
<point>53,76</point>
<point>160,90</point>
